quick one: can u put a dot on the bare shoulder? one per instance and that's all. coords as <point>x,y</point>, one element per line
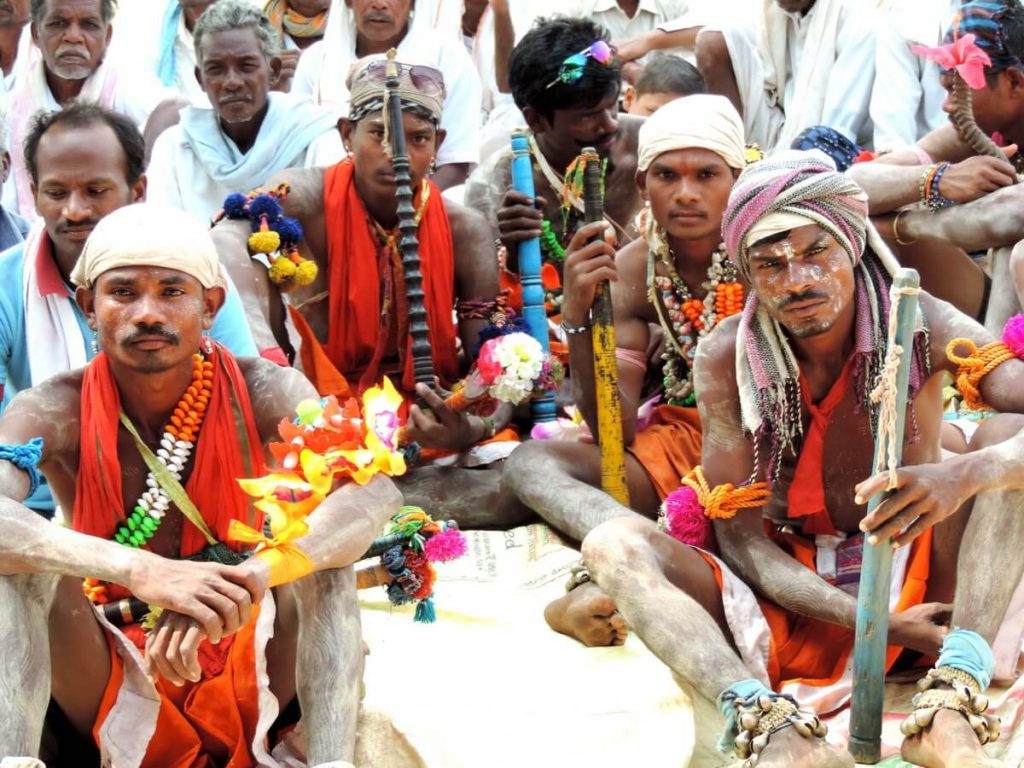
<point>630,290</point>
<point>468,225</point>
<point>626,147</point>
<point>274,392</point>
<point>476,258</point>
<point>716,354</point>
<point>51,410</point>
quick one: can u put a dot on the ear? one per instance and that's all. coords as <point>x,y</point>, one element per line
<point>139,189</point>
<point>1015,78</point>
<point>347,128</point>
<point>275,69</point>
<point>641,183</point>
<point>85,298</point>
<point>535,121</point>
<point>199,77</point>
<point>213,300</point>
<point>627,98</point>
<point>5,164</point>
<point>110,32</point>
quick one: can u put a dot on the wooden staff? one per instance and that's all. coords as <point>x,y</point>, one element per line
<point>871,639</point>
<point>606,372</point>
<point>408,244</point>
<point>541,408</point>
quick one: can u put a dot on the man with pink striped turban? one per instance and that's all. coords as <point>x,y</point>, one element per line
<point>783,393</point>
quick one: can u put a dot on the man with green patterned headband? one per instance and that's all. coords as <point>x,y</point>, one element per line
<point>760,618</point>
<point>352,322</point>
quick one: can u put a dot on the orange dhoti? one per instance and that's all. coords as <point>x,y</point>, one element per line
<point>669,447</point>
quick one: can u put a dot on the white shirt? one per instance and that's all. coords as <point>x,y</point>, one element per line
<point>906,102</point>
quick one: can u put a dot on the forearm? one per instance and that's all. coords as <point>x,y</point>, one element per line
<point>772,573</point>
<point>888,186</point>
<point>581,371</point>
<point>343,526</point>
<point>504,42</point>
<point>995,468</point>
<point>31,544</point>
<point>995,220</point>
<point>451,175</point>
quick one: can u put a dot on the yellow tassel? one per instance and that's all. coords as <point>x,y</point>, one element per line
<point>264,241</point>
<point>281,270</point>
<point>305,273</point>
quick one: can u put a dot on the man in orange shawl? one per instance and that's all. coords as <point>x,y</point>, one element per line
<point>352,321</point>
<point>785,395</point>
<point>690,153</point>
<point>166,422</point>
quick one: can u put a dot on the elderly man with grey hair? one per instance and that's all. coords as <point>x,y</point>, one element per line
<point>13,228</point>
<point>249,133</point>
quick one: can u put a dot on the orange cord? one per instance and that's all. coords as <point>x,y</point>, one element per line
<point>973,367</point>
<point>723,501</point>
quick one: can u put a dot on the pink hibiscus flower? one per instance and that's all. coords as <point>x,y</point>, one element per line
<point>962,55</point>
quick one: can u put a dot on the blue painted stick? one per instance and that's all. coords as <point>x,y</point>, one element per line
<point>542,408</point>
<point>872,632</point>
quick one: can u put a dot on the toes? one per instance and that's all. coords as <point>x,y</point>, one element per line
<point>601,605</point>
<point>618,623</point>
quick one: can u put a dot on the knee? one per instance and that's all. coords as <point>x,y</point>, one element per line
<point>530,461</point>
<point>618,541</point>
<point>712,52</point>
<point>996,430</point>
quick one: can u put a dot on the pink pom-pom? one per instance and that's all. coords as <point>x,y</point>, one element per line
<point>684,518</point>
<point>1013,335</point>
<point>487,364</point>
<point>444,546</point>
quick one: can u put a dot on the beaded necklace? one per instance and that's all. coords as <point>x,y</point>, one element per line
<point>176,444</point>
<point>689,319</point>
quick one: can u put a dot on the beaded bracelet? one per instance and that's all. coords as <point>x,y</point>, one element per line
<point>573,331</point>
<point>935,199</point>
<point>924,182</point>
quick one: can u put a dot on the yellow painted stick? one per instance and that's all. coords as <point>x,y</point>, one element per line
<point>606,372</point>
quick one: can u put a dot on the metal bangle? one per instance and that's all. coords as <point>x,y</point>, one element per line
<point>573,331</point>
<point>896,231</point>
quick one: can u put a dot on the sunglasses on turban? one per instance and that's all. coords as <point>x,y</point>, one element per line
<point>571,70</point>
<point>426,80</point>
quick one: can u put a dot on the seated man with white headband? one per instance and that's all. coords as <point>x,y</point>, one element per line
<point>352,321</point>
<point>154,494</point>
<point>784,391</point>
<point>691,151</point>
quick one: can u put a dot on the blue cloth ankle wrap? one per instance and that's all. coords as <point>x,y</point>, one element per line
<point>747,690</point>
<point>967,651</point>
<point>26,457</point>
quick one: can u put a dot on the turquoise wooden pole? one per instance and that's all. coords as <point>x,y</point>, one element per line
<point>872,631</point>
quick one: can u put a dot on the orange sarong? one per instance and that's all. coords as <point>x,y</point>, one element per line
<point>210,722</point>
<point>363,335</point>
<point>669,446</point>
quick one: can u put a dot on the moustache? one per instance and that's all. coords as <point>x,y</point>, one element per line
<point>802,297</point>
<point>142,331</point>
<point>379,17</point>
<point>66,226</point>
<point>77,50</point>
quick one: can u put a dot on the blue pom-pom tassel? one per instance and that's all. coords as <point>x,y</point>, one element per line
<point>425,613</point>
<point>397,595</point>
<point>264,205</point>
<point>289,229</point>
<point>490,331</point>
<point>234,206</point>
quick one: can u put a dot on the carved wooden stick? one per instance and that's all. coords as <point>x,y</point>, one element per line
<point>541,408</point>
<point>408,243</point>
<point>871,639</point>
<point>606,372</point>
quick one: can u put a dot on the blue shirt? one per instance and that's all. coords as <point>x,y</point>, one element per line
<point>230,328</point>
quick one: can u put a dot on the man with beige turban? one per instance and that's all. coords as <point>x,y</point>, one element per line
<point>152,497</point>
<point>690,152</point>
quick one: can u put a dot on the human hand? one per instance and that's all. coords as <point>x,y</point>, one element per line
<point>219,597</point>
<point>925,494</point>
<point>631,48</point>
<point>977,176</point>
<point>921,627</point>
<point>289,63</point>
<point>441,427</point>
<point>172,648</point>
<point>588,261</point>
<point>519,217</point>
<point>631,72</point>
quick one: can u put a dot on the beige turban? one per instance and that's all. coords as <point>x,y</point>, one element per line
<point>150,235</point>
<point>700,121</point>
<point>366,92</point>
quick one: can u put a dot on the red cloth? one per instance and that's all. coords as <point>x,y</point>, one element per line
<point>229,448</point>
<point>361,339</point>
<point>806,496</point>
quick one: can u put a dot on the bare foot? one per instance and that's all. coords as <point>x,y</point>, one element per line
<point>949,742</point>
<point>589,615</point>
<point>788,749</point>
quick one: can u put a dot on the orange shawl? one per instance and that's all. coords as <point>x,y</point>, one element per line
<point>362,273</point>
<point>229,447</point>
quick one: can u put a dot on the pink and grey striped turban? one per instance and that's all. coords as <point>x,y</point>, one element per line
<point>788,190</point>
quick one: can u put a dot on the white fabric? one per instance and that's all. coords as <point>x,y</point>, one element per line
<point>150,235</point>
<point>53,337</point>
<point>907,98</point>
<point>773,224</point>
<point>324,67</point>
<point>111,85</point>
<point>650,14</point>
<point>796,71</point>
<point>194,165</point>
<point>700,121</point>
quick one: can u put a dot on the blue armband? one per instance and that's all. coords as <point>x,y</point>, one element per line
<point>967,651</point>
<point>745,690</point>
<point>26,457</point>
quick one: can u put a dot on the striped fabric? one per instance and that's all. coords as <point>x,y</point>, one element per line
<point>981,19</point>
